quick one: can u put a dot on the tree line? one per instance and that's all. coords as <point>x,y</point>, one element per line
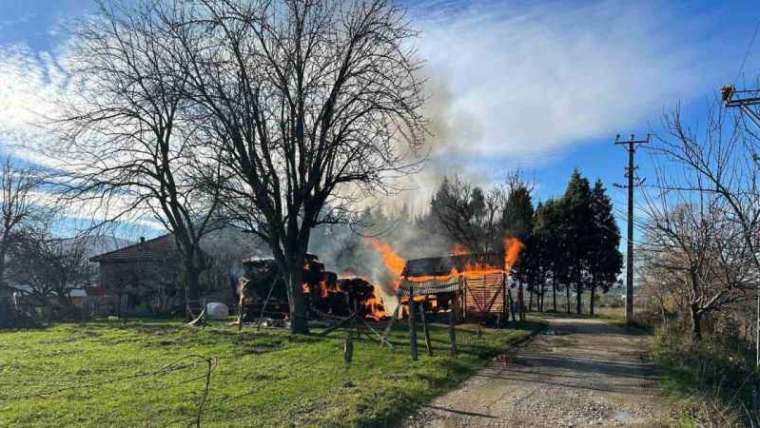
<point>571,242</point>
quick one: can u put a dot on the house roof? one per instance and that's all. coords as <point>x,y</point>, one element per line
<point>148,250</point>
<point>434,266</point>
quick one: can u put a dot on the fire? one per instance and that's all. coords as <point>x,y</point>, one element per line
<point>374,305</point>
<point>393,261</point>
<point>426,278</point>
<point>512,248</point>
<point>395,264</point>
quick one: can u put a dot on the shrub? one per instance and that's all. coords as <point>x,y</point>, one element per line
<point>714,379</point>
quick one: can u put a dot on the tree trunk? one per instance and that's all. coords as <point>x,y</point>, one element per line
<point>578,299</point>
<point>696,323</point>
<point>541,295</point>
<point>521,302</point>
<point>530,300</point>
<point>2,267</point>
<point>6,319</point>
<point>192,291</point>
<point>567,298</point>
<point>5,292</point>
<point>297,301</point>
<point>591,305</point>
<point>119,297</point>
<point>554,292</point>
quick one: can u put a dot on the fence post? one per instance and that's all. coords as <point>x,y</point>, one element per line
<point>452,323</point>
<point>412,325</point>
<point>425,330</point>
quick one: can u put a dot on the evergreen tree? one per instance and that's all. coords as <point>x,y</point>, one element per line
<point>517,221</point>
<point>606,261</point>
<point>517,218</point>
<point>578,233</point>
<point>549,247</point>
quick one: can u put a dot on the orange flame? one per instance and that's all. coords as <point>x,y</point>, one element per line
<point>374,306</point>
<point>395,265</point>
<point>392,261</point>
<point>512,248</point>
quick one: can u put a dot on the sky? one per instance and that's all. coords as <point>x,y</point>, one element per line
<point>539,86</point>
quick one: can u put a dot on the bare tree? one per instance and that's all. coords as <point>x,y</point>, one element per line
<point>702,224</point>
<point>480,219</point>
<point>722,161</point>
<point>134,139</point>
<point>18,207</point>
<point>309,101</point>
<point>694,250</point>
<point>51,267</point>
<point>470,216</point>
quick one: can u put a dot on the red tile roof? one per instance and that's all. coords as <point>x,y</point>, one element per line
<point>152,249</point>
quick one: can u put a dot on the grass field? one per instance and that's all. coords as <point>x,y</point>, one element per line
<point>139,374</point>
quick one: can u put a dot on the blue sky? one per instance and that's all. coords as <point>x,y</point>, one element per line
<point>540,86</point>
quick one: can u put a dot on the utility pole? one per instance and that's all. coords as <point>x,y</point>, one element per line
<point>633,181</point>
<point>743,100</point>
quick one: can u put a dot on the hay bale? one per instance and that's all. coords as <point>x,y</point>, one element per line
<point>217,311</point>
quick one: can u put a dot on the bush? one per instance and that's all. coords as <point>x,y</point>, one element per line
<point>713,379</point>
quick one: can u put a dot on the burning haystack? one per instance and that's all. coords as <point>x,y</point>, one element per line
<point>261,290</point>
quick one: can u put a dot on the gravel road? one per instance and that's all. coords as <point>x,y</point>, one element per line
<point>578,373</point>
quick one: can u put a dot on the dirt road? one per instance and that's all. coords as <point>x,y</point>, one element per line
<point>577,373</point>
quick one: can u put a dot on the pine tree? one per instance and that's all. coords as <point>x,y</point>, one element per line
<point>578,233</point>
<point>550,248</point>
<point>517,221</point>
<point>517,218</point>
<point>606,261</point>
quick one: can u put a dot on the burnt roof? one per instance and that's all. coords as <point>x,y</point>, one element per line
<point>150,250</point>
<point>442,265</point>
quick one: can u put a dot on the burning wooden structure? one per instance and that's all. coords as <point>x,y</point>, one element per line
<point>466,285</point>
<point>478,282</point>
<point>261,291</point>
<point>463,285</point>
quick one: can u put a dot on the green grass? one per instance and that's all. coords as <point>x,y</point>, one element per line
<point>709,383</point>
<point>89,375</point>
<point>600,312</point>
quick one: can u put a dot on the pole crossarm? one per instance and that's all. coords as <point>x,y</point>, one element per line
<point>744,100</point>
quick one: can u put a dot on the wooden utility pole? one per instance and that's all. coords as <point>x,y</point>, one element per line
<point>633,181</point>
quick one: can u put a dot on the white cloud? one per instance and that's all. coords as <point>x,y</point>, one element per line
<point>30,92</point>
<point>506,79</point>
<point>528,80</point>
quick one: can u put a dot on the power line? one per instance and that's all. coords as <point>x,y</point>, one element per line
<point>749,49</point>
